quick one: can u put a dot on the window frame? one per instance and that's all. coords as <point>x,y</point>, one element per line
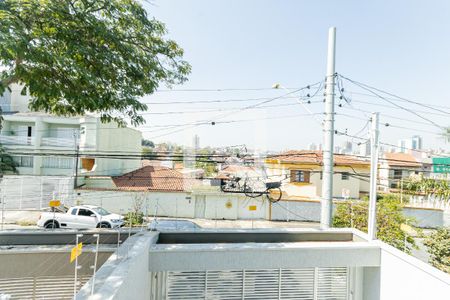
<point>300,176</point>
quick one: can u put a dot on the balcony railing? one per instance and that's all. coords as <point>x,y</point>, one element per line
<point>58,142</point>
<point>16,140</point>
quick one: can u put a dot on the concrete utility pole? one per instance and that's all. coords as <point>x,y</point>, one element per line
<point>328,163</point>
<point>372,225</point>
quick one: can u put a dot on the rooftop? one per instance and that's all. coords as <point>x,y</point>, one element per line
<point>265,264</point>
<point>153,178</point>
<point>401,160</point>
<point>316,158</point>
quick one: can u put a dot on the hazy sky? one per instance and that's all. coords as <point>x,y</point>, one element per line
<point>398,46</point>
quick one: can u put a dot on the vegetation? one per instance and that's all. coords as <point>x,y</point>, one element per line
<point>427,186</point>
<point>136,218</point>
<point>7,164</point>
<point>148,143</point>
<point>204,162</point>
<point>78,56</point>
<point>390,218</point>
<point>438,244</point>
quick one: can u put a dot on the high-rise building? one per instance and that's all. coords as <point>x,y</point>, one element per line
<point>416,142</point>
<point>364,148</point>
<point>413,143</point>
<point>347,147</point>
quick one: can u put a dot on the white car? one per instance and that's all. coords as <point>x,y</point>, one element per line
<point>81,217</point>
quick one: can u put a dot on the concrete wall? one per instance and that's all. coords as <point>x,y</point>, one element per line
<point>404,277</point>
<point>179,204</point>
<point>125,275</point>
<point>309,210</point>
<point>47,262</point>
<point>426,217</point>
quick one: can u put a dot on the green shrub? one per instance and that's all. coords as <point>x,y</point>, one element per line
<point>390,217</point>
<point>137,218</point>
<point>438,244</point>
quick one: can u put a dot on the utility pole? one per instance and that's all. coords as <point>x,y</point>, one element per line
<point>372,223</point>
<point>328,163</point>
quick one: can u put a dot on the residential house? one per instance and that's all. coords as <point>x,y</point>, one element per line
<point>169,192</point>
<point>45,144</point>
<point>395,167</point>
<point>301,174</point>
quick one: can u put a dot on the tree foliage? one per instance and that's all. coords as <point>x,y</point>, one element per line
<point>438,244</point>
<point>78,56</point>
<point>390,217</point>
<point>147,143</point>
<point>7,164</point>
<point>428,186</point>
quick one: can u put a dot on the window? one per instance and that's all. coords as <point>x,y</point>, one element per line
<point>300,176</point>
<point>23,161</point>
<point>74,211</point>
<point>101,211</point>
<point>345,176</point>
<point>57,162</point>
<point>398,174</point>
<point>85,212</point>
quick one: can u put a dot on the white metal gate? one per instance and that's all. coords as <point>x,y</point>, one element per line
<point>307,283</point>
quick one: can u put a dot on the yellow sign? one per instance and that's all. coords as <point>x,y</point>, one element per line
<point>54,203</point>
<point>76,251</point>
<point>252,207</point>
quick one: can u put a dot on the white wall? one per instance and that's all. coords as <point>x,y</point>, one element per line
<point>178,204</point>
<point>404,277</point>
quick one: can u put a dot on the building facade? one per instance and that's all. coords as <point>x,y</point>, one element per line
<point>301,175</point>
<point>45,144</point>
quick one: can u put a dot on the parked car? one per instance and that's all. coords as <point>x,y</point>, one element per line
<point>171,224</point>
<point>81,217</point>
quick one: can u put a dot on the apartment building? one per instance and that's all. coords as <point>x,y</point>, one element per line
<point>45,144</point>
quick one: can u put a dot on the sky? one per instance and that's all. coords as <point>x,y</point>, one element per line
<point>402,47</point>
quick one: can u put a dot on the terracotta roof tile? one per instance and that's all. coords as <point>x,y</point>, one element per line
<point>401,160</point>
<point>316,158</point>
<point>153,178</point>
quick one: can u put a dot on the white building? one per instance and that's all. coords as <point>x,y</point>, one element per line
<point>413,143</point>
<point>331,264</point>
<point>44,144</point>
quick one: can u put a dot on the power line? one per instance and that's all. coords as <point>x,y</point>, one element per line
<point>370,89</point>
<point>213,120</point>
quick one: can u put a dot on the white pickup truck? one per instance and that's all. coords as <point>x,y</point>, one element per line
<point>81,217</point>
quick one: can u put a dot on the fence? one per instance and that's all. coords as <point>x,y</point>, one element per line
<point>34,192</point>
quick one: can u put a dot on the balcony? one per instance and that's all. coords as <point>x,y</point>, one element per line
<point>58,142</point>
<point>17,140</point>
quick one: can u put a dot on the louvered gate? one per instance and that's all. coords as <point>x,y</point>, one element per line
<point>43,287</point>
<point>307,283</point>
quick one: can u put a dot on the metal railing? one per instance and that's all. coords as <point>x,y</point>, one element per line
<point>58,142</point>
<point>16,140</point>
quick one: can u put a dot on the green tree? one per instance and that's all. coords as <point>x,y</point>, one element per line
<point>438,245</point>
<point>7,164</point>
<point>390,217</point>
<point>204,162</point>
<point>147,143</point>
<point>147,153</point>
<point>78,56</point>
